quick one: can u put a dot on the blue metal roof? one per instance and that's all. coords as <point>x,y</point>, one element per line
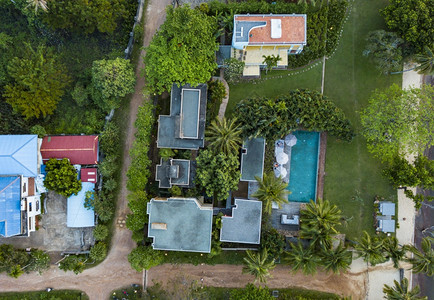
<point>10,206</point>
<point>76,214</point>
<point>19,155</point>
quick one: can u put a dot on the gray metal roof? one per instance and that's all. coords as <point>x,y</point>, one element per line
<point>252,159</point>
<point>173,172</point>
<point>245,224</point>
<point>386,225</point>
<point>387,208</point>
<point>184,128</point>
<point>188,224</point>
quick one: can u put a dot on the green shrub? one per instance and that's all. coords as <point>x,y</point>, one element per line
<point>233,70</point>
<point>100,232</point>
<point>144,257</point>
<point>62,177</point>
<point>98,252</point>
<point>38,130</point>
<point>75,263</point>
<point>80,94</point>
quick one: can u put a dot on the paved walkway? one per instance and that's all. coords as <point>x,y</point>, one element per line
<point>115,271</point>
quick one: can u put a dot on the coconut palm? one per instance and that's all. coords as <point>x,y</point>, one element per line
<point>393,250</point>
<point>42,4</point>
<point>425,61</point>
<point>401,291</point>
<point>224,136</point>
<point>302,259</point>
<point>271,189</point>
<point>423,261</point>
<point>321,215</point>
<point>337,260</point>
<point>371,249</point>
<point>258,264</point>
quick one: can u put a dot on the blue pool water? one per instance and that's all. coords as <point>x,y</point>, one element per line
<point>304,167</point>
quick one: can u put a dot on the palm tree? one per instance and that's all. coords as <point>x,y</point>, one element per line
<point>393,250</point>
<point>371,249</point>
<point>271,189</point>
<point>224,136</point>
<point>42,4</point>
<point>302,259</point>
<point>271,61</point>
<point>336,260</point>
<point>401,291</point>
<point>425,61</point>
<point>423,261</point>
<point>258,265</point>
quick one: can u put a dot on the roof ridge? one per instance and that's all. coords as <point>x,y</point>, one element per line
<point>22,146</point>
<point>1,191</point>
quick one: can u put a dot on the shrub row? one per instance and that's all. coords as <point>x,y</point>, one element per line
<point>16,261</point>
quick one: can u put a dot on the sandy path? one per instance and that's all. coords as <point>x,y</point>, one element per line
<point>115,271</point>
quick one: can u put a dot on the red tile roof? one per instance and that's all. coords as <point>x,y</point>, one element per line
<point>79,149</point>
<point>88,175</point>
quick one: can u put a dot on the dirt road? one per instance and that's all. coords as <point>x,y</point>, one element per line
<point>115,271</point>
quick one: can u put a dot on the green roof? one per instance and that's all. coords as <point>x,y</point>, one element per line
<point>252,159</point>
<point>180,224</point>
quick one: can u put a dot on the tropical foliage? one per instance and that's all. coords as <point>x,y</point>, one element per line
<point>39,82</point>
<point>274,118</point>
<point>15,261</point>
<point>272,240</point>
<point>336,260</point>
<point>271,189</point>
<point>370,249</point>
<point>182,51</point>
<point>100,232</point>
<point>144,257</point>
<point>270,62</point>
<point>62,177</point>
<point>216,93</point>
<point>384,50</point>
<point>74,263</point>
<point>425,61</point>
<point>401,291</point>
<point>303,259</point>
<point>251,292</point>
<point>393,250</point>
<point>258,264</point>
<point>98,252</point>
<point>233,70</point>
<point>224,136</point>
<point>217,174</point>
<point>423,259</point>
<point>399,122</point>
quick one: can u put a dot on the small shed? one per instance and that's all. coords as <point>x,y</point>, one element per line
<point>386,225</point>
<point>89,175</point>
<point>387,208</point>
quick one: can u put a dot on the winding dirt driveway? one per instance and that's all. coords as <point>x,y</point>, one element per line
<point>115,271</point>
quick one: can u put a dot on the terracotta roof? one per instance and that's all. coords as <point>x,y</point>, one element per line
<point>88,175</point>
<point>293,29</point>
<point>79,149</point>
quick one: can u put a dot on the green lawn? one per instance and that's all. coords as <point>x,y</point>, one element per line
<point>56,294</point>
<point>353,177</point>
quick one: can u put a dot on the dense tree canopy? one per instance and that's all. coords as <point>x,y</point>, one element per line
<point>144,257</point>
<point>398,122</point>
<point>111,80</point>
<point>275,118</point>
<point>84,16</point>
<point>182,51</point>
<point>62,177</point>
<point>38,82</point>
<point>413,20</point>
<point>217,174</point>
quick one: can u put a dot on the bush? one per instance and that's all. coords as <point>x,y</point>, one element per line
<point>38,130</point>
<point>233,70</point>
<point>273,241</point>
<point>98,252</point>
<point>62,177</point>
<point>216,93</point>
<point>80,94</point>
<point>75,263</point>
<point>100,232</point>
<point>144,257</point>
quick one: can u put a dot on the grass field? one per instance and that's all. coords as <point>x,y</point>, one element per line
<point>56,294</point>
<point>353,177</point>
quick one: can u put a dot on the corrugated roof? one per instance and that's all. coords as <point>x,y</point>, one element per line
<point>88,175</point>
<point>79,149</point>
<point>19,155</point>
<point>10,206</point>
<point>76,214</point>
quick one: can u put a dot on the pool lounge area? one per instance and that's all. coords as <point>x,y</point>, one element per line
<point>297,159</point>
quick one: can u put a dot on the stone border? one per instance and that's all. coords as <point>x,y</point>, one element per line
<point>321,165</point>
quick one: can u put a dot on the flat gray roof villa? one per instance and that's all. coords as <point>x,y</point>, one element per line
<point>184,128</point>
<point>245,224</point>
<point>173,172</point>
<point>180,224</point>
<point>252,159</point>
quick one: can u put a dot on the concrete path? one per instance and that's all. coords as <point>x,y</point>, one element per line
<point>115,271</point>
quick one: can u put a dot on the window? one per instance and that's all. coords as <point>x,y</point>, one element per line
<point>24,187</point>
<point>37,205</point>
<point>30,206</point>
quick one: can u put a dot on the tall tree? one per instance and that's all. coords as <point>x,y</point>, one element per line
<point>224,136</point>
<point>258,264</point>
<point>423,260</point>
<point>413,20</point>
<point>336,260</point>
<point>425,61</point>
<point>217,174</point>
<point>393,251</point>
<point>402,291</point>
<point>111,80</point>
<point>397,122</point>
<point>144,257</point>
<point>371,249</point>
<point>270,61</point>
<point>302,259</point>
<point>38,82</point>
<point>182,51</point>
<point>384,49</point>
<point>271,189</point>
<point>62,177</point>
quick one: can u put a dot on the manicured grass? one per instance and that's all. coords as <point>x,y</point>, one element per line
<point>56,294</point>
<point>353,176</point>
<point>275,83</point>
<point>227,257</point>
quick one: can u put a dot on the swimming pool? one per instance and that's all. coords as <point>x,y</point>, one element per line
<point>304,167</point>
